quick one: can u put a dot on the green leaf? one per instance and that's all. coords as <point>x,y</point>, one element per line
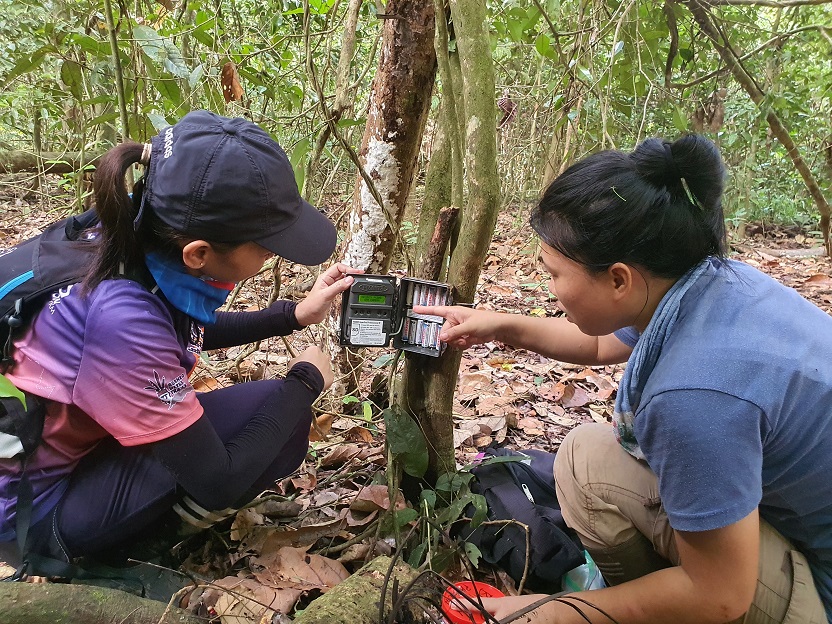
<point>104,118</point>
<point>428,497</point>
<point>159,122</point>
<point>686,54</point>
<point>680,120</point>
<point>407,443</point>
<point>298,160</point>
<point>99,99</point>
<point>543,45</point>
<point>384,360</point>
<point>196,76</point>
<point>473,553</point>
<point>71,76</point>
<point>454,511</point>
<point>350,399</point>
<point>584,73</point>
<point>346,122</point>
<point>96,47</point>
<point>452,481</point>
<point>497,459</point>
<point>480,510</point>
<point>532,18</point>
<point>442,559</point>
<point>8,389</point>
<point>415,557</point>
<point>516,21</point>
<point>205,23</point>
<point>368,411</point>
<point>169,90</point>
<point>404,516</point>
<point>27,63</point>
<point>161,50</point>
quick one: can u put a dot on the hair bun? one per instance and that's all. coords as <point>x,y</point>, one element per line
<point>691,165</point>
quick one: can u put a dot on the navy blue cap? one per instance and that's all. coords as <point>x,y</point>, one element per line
<point>226,180</point>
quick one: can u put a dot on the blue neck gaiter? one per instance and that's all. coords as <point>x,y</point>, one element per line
<point>198,298</point>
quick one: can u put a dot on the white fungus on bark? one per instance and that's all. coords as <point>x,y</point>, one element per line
<point>383,169</point>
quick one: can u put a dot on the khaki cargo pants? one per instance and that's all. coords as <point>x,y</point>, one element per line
<point>606,495</point>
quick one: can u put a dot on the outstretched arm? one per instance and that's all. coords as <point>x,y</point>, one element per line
<point>556,338</point>
<point>282,317</point>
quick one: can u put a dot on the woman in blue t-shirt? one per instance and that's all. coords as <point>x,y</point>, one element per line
<point>709,499</point>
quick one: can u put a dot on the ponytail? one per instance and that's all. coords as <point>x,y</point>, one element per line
<point>118,243</point>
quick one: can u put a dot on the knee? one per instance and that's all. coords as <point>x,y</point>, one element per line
<point>580,450</point>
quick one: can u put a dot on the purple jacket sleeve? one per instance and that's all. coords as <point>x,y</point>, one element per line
<point>236,328</point>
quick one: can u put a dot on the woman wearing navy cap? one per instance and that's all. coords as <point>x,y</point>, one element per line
<point>126,437</point>
<point>710,499</point>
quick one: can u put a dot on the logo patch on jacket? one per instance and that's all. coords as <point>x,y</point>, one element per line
<point>172,392</point>
<point>196,338</point>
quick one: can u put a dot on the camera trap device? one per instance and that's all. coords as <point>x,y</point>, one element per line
<point>377,310</point>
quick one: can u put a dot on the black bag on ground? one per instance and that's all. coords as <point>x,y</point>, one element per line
<point>524,490</point>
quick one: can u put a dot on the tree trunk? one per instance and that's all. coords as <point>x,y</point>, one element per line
<point>18,161</point>
<point>399,102</point>
<point>28,603</point>
<point>444,179</point>
<point>429,384</point>
<point>356,600</point>
<point>730,56</point>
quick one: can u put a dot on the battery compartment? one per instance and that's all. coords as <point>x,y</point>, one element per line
<point>419,333</point>
<point>378,308</point>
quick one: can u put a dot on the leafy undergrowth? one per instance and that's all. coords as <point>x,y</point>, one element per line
<point>331,516</point>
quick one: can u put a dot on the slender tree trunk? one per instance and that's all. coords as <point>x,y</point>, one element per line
<point>429,384</point>
<point>122,100</point>
<point>343,101</point>
<point>444,179</point>
<point>730,56</point>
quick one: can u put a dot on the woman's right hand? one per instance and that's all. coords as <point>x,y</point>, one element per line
<point>464,327</point>
<point>320,360</point>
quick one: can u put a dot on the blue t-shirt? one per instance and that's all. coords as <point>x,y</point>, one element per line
<point>737,413</point>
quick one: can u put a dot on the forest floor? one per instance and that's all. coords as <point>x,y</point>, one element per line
<point>332,505</point>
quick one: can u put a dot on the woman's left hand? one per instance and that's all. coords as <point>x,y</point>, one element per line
<point>331,283</point>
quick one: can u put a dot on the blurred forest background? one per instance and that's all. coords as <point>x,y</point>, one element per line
<point>577,76</point>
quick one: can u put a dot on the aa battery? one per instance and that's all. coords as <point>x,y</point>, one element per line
<point>421,332</point>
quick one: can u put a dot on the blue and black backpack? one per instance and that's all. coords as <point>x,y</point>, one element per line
<point>30,273</point>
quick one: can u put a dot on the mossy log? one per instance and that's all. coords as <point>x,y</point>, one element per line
<point>49,162</point>
<point>356,600</point>
<point>47,603</point>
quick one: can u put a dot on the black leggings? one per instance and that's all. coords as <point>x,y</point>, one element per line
<point>117,492</point>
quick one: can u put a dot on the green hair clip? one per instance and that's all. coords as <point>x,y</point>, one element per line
<point>690,195</point>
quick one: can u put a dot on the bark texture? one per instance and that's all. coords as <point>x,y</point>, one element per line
<point>430,383</point>
<point>18,161</point>
<point>399,102</point>
<point>356,600</point>
<point>28,603</point>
